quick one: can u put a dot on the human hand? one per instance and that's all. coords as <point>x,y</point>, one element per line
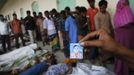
<point>104,41</point>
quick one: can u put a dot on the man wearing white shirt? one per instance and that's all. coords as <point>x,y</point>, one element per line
<point>4,32</point>
<point>48,24</point>
<point>50,31</point>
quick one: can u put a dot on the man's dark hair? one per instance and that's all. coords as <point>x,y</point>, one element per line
<point>62,12</point>
<point>103,2</point>
<point>1,15</point>
<point>77,8</point>
<point>83,9</point>
<point>46,12</point>
<point>34,12</point>
<point>67,8</point>
<point>90,1</point>
<point>28,11</point>
<point>14,14</point>
<point>40,13</point>
<point>54,10</point>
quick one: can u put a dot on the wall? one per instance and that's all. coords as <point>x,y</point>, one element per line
<point>47,5</point>
<point>12,6</point>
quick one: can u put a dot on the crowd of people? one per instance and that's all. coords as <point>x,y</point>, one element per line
<point>59,29</point>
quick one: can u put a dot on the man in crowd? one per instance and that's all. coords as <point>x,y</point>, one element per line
<point>35,17</point>
<point>16,30</point>
<point>4,32</point>
<point>91,12</point>
<point>70,28</point>
<point>102,18</point>
<point>40,28</point>
<point>30,26</point>
<point>50,31</point>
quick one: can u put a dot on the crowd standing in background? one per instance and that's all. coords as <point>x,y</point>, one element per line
<point>59,29</point>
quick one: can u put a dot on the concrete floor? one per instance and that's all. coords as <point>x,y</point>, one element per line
<point>59,54</point>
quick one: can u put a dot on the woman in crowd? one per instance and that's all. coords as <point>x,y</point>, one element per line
<point>124,28</point>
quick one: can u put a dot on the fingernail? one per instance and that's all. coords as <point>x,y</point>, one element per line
<point>82,43</point>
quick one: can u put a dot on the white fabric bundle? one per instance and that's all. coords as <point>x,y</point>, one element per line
<point>86,69</point>
<point>7,60</point>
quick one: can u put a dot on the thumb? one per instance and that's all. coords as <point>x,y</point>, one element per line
<point>96,43</point>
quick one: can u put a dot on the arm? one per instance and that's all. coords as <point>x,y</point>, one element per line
<point>111,26</point>
<point>126,55</point>
<point>37,22</point>
<point>45,27</point>
<point>109,45</point>
<point>67,36</point>
<point>88,23</point>
<point>11,26</point>
<point>67,29</point>
<point>96,20</point>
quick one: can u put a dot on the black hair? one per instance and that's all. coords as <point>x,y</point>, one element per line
<point>83,9</point>
<point>90,1</point>
<point>28,11</point>
<point>67,8</point>
<point>46,11</point>
<point>62,12</point>
<point>21,18</point>
<point>1,15</point>
<point>14,14</point>
<point>77,8</point>
<point>103,2</point>
<point>75,46</point>
<point>40,13</point>
<point>54,10</point>
<point>34,12</point>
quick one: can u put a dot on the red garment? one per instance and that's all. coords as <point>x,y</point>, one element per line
<point>91,14</point>
<point>16,26</point>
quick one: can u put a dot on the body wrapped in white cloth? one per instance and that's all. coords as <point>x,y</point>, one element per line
<point>7,60</point>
